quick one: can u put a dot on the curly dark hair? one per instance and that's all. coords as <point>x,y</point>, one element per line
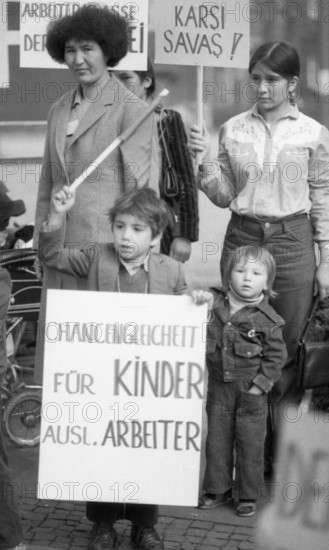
<point>90,22</point>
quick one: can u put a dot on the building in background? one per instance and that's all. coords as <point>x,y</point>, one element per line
<point>27,94</point>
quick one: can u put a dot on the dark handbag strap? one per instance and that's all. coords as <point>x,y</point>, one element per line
<point>171,188</point>
<point>309,319</point>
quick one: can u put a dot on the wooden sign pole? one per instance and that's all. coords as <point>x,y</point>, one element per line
<point>199,99</point>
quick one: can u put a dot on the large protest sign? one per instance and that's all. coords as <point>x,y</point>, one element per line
<point>35,16</point>
<point>122,398</point>
<point>297,516</point>
<point>208,33</point>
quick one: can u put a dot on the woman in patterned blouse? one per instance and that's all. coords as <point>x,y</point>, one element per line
<point>272,171</point>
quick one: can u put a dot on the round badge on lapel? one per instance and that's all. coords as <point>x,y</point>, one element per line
<point>251,333</point>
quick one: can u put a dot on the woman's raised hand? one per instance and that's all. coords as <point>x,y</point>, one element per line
<point>199,141</point>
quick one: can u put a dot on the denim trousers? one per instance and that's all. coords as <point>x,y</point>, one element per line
<point>236,421</point>
<point>290,241</point>
<point>10,526</point>
<point>145,515</point>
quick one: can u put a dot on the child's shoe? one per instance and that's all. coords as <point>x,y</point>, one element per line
<point>246,508</point>
<point>103,537</point>
<point>145,538</point>
<point>210,500</point>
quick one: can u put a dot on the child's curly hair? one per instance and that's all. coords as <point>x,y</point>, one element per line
<point>94,23</point>
<point>144,204</point>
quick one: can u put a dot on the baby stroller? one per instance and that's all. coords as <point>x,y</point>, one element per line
<point>21,403</point>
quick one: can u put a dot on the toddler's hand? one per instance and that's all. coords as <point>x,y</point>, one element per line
<point>63,200</point>
<point>200,297</point>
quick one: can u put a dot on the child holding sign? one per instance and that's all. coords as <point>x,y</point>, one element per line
<point>127,265</point>
<point>245,353</point>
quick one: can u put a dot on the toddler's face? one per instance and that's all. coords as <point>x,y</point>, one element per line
<point>249,278</point>
<point>132,237</point>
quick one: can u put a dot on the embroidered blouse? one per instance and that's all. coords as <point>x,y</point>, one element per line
<point>271,171</point>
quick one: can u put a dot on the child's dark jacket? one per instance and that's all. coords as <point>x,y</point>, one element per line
<point>100,265</point>
<point>246,346</point>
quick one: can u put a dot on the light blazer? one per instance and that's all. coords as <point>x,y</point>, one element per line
<point>133,164</point>
<point>101,266</point>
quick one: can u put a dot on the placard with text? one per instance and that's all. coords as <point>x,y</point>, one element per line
<point>296,517</point>
<point>35,17</point>
<point>122,398</point>
<point>208,33</point>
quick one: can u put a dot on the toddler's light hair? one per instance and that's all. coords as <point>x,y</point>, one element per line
<point>246,254</point>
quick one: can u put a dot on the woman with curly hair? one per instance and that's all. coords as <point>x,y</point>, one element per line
<point>81,125</point>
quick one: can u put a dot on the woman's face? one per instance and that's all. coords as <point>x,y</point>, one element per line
<point>86,61</point>
<point>271,88</point>
<point>134,83</point>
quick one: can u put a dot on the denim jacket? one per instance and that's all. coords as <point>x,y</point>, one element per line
<point>246,346</point>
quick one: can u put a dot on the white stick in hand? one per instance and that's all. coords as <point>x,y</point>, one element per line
<point>122,137</point>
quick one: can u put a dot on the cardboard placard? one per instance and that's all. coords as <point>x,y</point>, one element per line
<point>298,513</point>
<point>210,33</point>
<point>35,17</point>
<point>122,398</point>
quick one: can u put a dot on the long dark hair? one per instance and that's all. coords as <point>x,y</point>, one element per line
<point>281,57</point>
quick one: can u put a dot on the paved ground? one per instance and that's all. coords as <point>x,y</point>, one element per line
<point>63,525</point>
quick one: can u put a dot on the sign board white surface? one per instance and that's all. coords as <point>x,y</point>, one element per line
<point>297,517</point>
<point>35,16</point>
<point>122,398</point>
<point>209,33</point>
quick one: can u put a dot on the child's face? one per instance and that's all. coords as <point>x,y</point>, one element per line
<point>249,278</point>
<point>132,238</point>
<point>135,83</point>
